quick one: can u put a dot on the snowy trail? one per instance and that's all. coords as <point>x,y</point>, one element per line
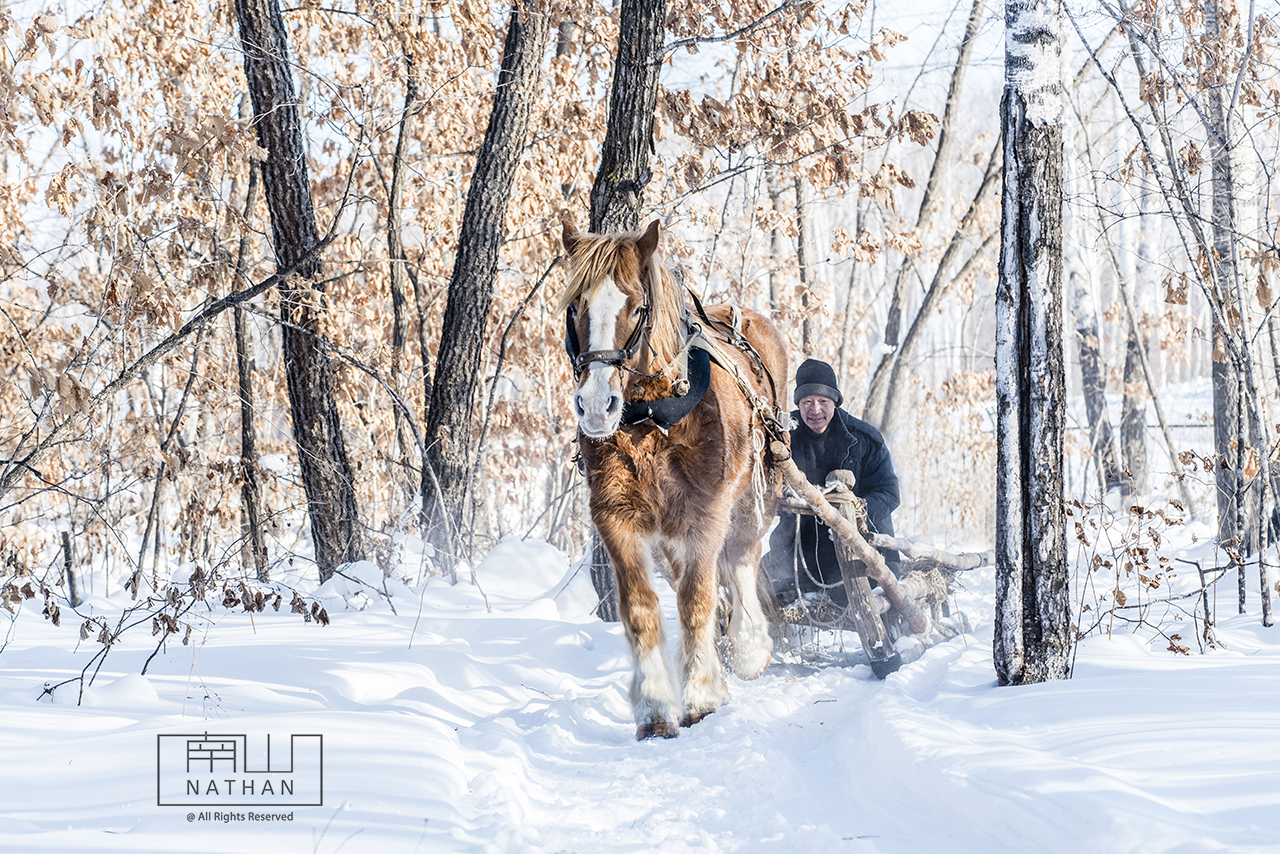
<point>510,731</point>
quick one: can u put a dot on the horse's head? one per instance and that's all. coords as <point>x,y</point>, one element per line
<point>611,306</point>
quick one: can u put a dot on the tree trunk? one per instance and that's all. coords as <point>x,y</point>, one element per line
<point>874,410</point>
<point>776,279</point>
<point>1133,419</point>
<point>618,190</point>
<point>1235,511</point>
<point>1032,640</point>
<point>807,256</point>
<point>446,465</point>
<point>255,544</point>
<point>317,432</point>
<point>605,583</point>
<point>399,269</point>
<point>1094,385</point>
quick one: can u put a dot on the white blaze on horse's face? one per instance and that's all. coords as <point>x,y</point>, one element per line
<point>598,400</point>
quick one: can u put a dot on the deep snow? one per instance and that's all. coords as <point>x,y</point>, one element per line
<point>450,727</point>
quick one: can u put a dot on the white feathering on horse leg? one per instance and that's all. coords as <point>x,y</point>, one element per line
<point>705,690</point>
<point>751,648</point>
<point>655,699</point>
<point>653,687</point>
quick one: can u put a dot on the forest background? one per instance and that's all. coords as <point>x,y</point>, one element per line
<point>810,161</point>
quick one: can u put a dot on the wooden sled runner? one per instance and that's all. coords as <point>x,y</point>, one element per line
<point>898,608</point>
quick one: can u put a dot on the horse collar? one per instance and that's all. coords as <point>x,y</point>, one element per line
<point>666,412</point>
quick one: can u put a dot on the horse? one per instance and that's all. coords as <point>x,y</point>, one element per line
<point>673,412</point>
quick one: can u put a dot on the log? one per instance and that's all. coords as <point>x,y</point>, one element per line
<point>854,541</point>
<point>920,551</point>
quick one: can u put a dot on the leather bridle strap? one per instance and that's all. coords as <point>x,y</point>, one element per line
<point>616,357</point>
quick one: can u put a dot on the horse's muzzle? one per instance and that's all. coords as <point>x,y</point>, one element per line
<point>596,420</point>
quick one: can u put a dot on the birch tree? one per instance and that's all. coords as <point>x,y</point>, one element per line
<point>1032,640</point>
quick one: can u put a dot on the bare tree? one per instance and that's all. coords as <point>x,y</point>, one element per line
<point>1094,383</point>
<point>807,257</point>
<point>317,431</point>
<point>875,408</point>
<point>447,458</point>
<point>255,545</point>
<point>1032,641</point>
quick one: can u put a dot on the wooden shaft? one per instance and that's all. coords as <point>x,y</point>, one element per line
<point>848,533</point>
<point>921,551</point>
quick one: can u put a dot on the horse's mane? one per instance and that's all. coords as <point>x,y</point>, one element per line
<point>597,257</point>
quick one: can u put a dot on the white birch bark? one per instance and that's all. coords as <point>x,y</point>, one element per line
<point>1032,622</point>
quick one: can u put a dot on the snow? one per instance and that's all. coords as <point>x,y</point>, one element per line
<point>498,721</point>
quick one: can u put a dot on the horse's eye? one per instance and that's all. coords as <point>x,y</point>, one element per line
<point>636,313</point>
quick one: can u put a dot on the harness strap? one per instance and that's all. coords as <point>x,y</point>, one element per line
<point>771,418</point>
<point>733,333</point>
<point>774,420</point>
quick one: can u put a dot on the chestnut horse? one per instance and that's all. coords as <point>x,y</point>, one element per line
<point>691,499</point>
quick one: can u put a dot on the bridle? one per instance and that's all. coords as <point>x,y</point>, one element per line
<point>618,358</point>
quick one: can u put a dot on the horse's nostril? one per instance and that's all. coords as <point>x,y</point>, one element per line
<point>577,405</point>
<point>615,400</point>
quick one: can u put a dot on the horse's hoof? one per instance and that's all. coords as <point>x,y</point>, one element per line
<point>659,729</point>
<point>692,718</point>
<point>751,666</point>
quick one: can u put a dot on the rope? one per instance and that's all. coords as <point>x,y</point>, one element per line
<point>801,607</point>
<point>758,483</point>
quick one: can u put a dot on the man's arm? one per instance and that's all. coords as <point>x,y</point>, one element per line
<point>877,481</point>
<point>880,482</point>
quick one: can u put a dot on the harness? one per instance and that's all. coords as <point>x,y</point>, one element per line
<point>616,358</point>
<point>701,350</point>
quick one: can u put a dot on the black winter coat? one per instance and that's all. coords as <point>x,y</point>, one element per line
<point>847,443</point>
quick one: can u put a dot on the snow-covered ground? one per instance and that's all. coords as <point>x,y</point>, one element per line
<point>452,726</point>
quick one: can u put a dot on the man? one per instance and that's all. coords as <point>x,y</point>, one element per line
<point>824,439</point>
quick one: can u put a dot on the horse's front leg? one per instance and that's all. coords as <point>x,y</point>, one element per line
<point>654,699</point>
<point>704,690</point>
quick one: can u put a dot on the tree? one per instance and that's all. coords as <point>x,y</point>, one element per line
<point>1193,103</point>
<point>885,385</point>
<point>447,457</point>
<point>1093,381</point>
<point>317,431</point>
<point>1032,640</point>
<point>618,191</point>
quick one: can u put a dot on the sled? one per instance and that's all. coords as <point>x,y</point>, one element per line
<point>913,606</point>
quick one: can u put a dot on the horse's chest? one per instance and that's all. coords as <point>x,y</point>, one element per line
<point>654,473</point>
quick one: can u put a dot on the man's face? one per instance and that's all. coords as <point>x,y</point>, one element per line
<point>816,411</point>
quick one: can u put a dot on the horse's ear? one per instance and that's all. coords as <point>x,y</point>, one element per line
<point>648,242</point>
<point>569,236</point>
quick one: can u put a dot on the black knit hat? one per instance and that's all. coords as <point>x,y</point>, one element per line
<point>814,377</point>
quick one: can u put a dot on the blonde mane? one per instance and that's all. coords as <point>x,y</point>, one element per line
<point>599,257</point>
